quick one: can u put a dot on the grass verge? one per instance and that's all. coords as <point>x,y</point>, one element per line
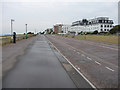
<point>100,38</point>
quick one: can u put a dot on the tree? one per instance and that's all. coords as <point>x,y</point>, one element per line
<point>95,32</point>
<point>30,33</point>
<point>115,29</point>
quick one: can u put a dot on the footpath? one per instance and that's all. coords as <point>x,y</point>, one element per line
<point>35,63</point>
<point>11,51</point>
<point>38,68</point>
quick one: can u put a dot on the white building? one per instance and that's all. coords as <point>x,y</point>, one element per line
<point>66,28</point>
<point>101,24</point>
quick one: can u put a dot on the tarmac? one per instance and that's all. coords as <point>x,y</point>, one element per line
<point>97,61</point>
<point>41,66</point>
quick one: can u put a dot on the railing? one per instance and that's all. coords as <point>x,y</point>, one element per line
<point>9,39</point>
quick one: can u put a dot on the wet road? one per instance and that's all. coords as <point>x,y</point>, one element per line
<point>97,61</point>
<point>38,68</point>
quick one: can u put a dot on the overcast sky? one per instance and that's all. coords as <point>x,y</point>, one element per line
<point>43,15</point>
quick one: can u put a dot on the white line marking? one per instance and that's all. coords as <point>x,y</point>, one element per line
<point>89,58</point>
<point>109,47</point>
<point>90,55</point>
<point>83,55</point>
<point>110,69</point>
<point>97,63</point>
<point>103,45</point>
<point>78,68</point>
<point>75,68</point>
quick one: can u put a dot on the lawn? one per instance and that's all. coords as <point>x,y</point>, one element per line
<point>100,38</point>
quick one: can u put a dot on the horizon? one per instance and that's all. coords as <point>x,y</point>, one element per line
<point>42,15</point>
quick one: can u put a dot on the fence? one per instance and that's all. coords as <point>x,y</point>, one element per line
<point>9,39</point>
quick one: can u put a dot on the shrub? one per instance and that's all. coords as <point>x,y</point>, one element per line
<point>103,33</point>
<point>95,32</point>
<point>88,33</point>
<point>115,29</point>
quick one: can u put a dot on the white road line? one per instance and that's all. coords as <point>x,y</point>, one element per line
<point>104,45</point>
<point>89,58</point>
<point>78,68</point>
<point>90,55</point>
<point>83,55</point>
<point>110,69</point>
<point>109,47</point>
<point>75,68</point>
<point>97,63</point>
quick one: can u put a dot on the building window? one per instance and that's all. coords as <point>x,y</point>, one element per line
<point>101,25</point>
<point>107,29</point>
<point>104,29</point>
<point>101,30</point>
<point>105,26</point>
<point>110,25</point>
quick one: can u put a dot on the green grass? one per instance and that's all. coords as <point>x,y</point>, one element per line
<point>100,38</point>
<point>7,39</point>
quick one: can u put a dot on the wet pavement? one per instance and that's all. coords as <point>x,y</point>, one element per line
<point>97,61</point>
<point>38,68</point>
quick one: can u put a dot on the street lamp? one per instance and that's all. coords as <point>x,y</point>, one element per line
<point>12,26</point>
<point>35,31</point>
<point>26,30</point>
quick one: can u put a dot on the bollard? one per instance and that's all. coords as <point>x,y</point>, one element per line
<point>14,37</point>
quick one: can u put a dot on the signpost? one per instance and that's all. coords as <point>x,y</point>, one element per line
<point>12,26</point>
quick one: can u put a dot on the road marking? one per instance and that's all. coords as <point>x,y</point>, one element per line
<point>75,68</point>
<point>83,55</point>
<point>78,68</point>
<point>109,47</point>
<point>89,58</point>
<point>103,45</point>
<point>91,55</point>
<point>97,63</point>
<point>110,69</point>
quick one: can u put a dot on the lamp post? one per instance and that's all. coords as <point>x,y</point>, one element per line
<point>12,26</point>
<point>35,31</point>
<point>26,30</point>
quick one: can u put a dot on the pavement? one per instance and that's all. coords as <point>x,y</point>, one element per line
<point>96,60</point>
<point>41,66</point>
<point>11,51</point>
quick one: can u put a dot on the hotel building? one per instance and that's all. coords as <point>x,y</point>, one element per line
<point>101,24</point>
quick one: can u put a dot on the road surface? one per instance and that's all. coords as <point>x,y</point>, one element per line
<point>40,67</point>
<point>97,61</point>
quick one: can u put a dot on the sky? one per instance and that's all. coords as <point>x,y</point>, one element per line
<point>40,15</point>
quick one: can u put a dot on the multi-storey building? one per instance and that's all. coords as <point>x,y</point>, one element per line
<point>48,30</point>
<point>101,24</point>
<point>58,28</point>
<point>65,28</point>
